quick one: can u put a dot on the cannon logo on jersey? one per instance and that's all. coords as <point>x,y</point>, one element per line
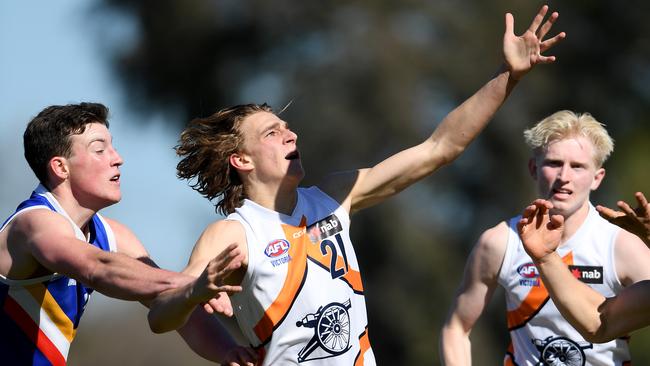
<point>278,251</point>
<point>324,228</point>
<point>588,274</point>
<point>529,275</point>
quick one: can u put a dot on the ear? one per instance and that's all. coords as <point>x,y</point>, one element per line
<point>59,167</point>
<point>532,167</point>
<point>598,178</point>
<point>241,161</point>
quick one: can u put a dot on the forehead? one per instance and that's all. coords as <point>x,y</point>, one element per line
<point>573,148</point>
<point>92,132</point>
<point>258,122</point>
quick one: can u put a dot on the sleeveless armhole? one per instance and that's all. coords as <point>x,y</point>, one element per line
<point>110,235</point>
<point>614,281</point>
<point>12,217</point>
<point>28,281</point>
<point>333,204</point>
<point>251,254</point>
<point>511,240</point>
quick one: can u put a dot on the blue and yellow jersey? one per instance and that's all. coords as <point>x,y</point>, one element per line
<point>39,316</point>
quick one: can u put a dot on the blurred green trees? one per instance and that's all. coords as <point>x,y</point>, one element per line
<point>369,78</point>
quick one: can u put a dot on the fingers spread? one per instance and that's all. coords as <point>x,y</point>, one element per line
<point>538,19</point>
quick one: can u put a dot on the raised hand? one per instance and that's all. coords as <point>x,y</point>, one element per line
<point>523,52</point>
<point>539,231</point>
<point>210,287</point>
<point>636,221</point>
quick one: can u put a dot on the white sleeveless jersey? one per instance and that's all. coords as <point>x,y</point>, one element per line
<point>303,299</point>
<point>539,334</point>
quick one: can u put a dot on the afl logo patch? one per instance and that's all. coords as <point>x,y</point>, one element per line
<point>277,248</point>
<point>527,270</point>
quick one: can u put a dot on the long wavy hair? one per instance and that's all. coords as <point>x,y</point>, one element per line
<point>205,147</point>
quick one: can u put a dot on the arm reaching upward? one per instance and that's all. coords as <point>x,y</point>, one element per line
<point>365,187</point>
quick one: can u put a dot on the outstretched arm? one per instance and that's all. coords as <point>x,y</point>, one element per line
<point>219,260</point>
<point>636,221</point>
<point>45,239</point>
<point>363,188</point>
<point>597,318</point>
<point>171,309</point>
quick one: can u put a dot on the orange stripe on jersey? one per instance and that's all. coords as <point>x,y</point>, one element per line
<point>353,277</point>
<point>364,345</point>
<point>295,274</point>
<point>53,310</point>
<point>31,330</point>
<point>533,302</point>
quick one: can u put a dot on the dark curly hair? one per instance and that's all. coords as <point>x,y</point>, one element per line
<point>205,147</point>
<point>48,134</point>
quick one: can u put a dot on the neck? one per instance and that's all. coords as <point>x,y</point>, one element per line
<point>573,221</point>
<point>279,200</point>
<point>79,214</point>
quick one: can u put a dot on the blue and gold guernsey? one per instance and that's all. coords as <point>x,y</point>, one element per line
<point>39,316</point>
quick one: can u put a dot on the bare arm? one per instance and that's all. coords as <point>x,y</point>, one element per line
<point>363,188</point>
<point>636,221</point>
<point>51,242</point>
<point>219,260</point>
<point>597,318</point>
<point>205,334</point>
<point>202,332</point>
<point>476,290</point>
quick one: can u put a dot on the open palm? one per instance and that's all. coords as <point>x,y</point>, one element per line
<point>523,52</point>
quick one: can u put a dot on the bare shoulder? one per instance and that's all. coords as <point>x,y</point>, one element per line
<point>494,239</point>
<point>35,224</point>
<point>127,242</point>
<point>632,258</point>
<point>215,239</point>
<point>223,231</point>
<point>490,249</point>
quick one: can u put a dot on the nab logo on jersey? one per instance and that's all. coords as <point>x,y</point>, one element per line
<point>276,248</point>
<point>527,270</point>
<point>588,274</point>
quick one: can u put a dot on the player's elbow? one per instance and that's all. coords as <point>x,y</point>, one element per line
<point>596,333</point>
<point>155,324</point>
<point>445,152</point>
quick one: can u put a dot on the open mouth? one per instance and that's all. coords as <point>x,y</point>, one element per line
<point>293,155</point>
<point>115,178</point>
<point>562,191</point>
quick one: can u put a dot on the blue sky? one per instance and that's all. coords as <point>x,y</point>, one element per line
<point>50,53</point>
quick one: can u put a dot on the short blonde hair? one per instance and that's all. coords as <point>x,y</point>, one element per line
<point>566,124</point>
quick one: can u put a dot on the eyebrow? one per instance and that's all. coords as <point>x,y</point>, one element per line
<point>275,125</point>
<point>97,139</point>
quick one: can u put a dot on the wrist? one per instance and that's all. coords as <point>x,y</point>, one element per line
<point>548,259</point>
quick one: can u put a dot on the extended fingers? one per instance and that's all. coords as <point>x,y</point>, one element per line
<point>626,208</point>
<point>547,25</point>
<point>643,202</point>
<point>538,19</point>
<point>510,24</point>
<point>543,46</point>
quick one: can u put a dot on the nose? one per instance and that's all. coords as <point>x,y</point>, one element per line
<point>290,136</point>
<point>564,173</point>
<point>117,158</point>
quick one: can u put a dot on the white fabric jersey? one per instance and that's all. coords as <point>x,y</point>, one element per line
<point>303,300</point>
<point>539,334</point>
